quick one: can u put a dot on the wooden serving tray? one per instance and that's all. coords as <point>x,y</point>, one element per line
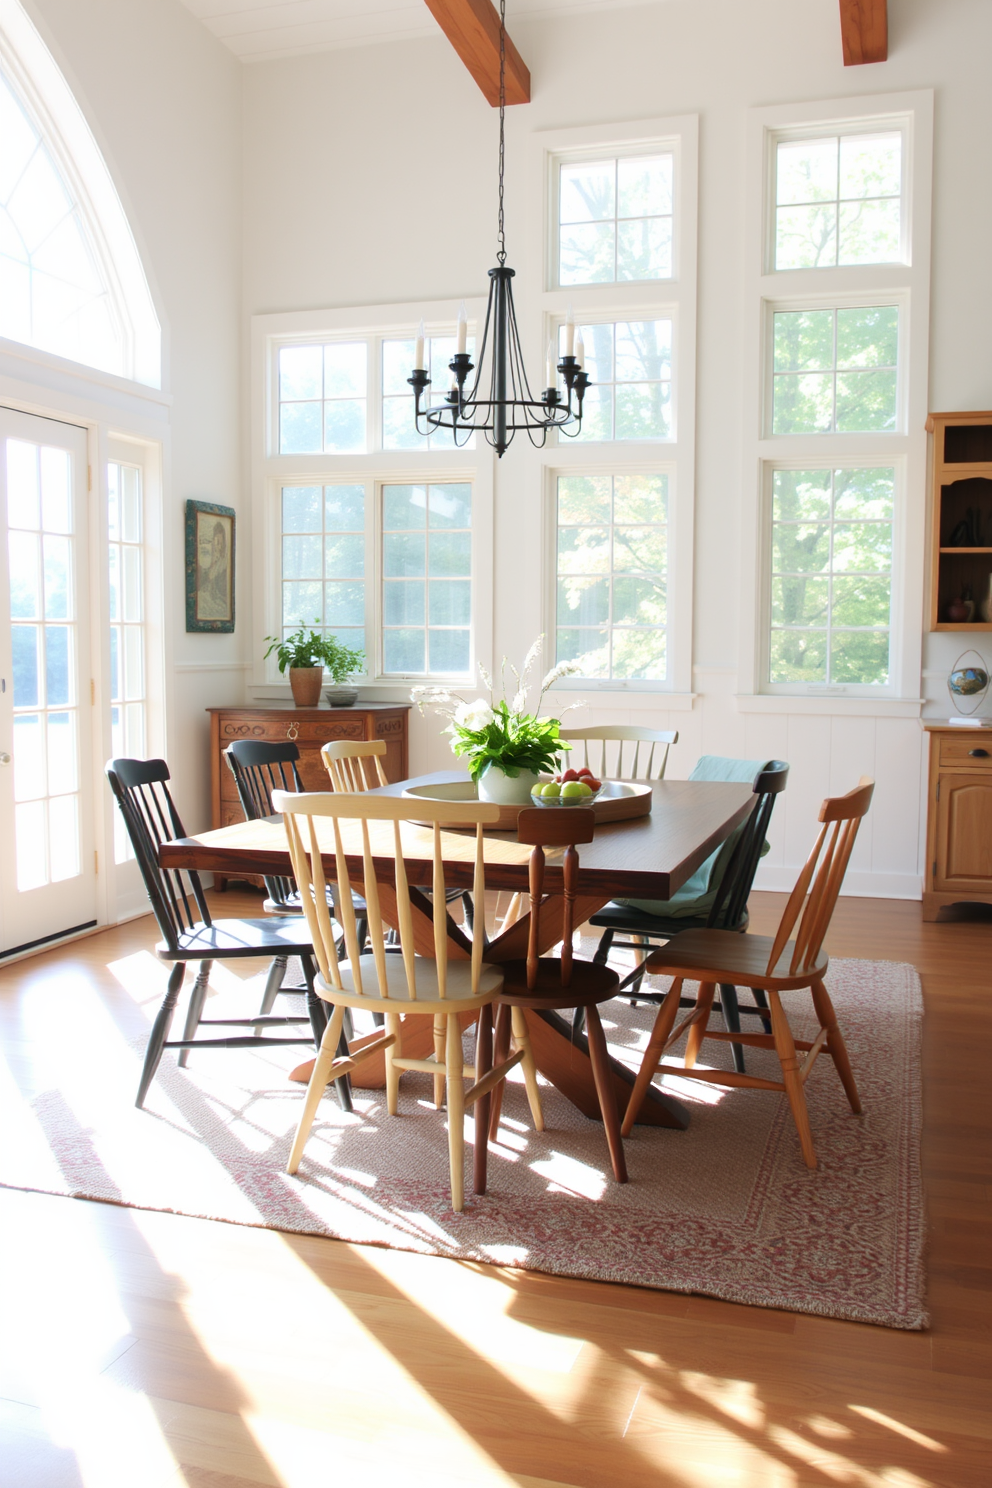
<point>618,800</point>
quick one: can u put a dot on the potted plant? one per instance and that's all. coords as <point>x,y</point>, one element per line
<point>305,654</point>
<point>505,746</point>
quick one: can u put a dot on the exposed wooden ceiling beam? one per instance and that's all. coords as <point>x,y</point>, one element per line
<point>472,27</point>
<point>864,27</point>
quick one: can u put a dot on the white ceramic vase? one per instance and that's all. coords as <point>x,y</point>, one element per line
<point>507,790</point>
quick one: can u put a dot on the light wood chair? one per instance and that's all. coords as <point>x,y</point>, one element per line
<point>777,965</point>
<point>639,753</point>
<point>355,764</point>
<point>399,985</point>
<point>550,983</point>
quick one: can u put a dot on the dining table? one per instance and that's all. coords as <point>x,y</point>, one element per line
<point>645,857</point>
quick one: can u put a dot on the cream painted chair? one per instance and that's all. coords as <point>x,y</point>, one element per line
<point>626,751</point>
<point>355,764</point>
<point>435,986</point>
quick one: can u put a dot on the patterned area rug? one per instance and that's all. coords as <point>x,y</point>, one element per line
<point>726,1208</point>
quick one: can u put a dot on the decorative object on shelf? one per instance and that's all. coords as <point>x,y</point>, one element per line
<point>960,519</point>
<point>962,609</point>
<point>968,679</point>
<point>505,747</point>
<point>305,654</point>
<point>987,603</point>
<point>968,532</point>
<point>499,400</point>
<point>209,567</point>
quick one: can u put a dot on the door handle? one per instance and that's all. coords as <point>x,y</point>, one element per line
<point>972,753</point>
<point>4,757</point>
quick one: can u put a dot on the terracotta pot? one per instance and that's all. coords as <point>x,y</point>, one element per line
<point>306,682</point>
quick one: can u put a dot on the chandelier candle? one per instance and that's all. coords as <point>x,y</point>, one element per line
<point>498,401</point>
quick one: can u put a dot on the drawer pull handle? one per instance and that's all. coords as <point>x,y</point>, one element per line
<point>978,753</point>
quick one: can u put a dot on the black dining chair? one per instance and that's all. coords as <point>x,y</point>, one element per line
<point>189,933</point>
<point>727,912</point>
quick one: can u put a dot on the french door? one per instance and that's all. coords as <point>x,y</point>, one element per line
<point>47,863</point>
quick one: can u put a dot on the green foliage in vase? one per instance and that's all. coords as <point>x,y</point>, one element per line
<point>500,732</point>
<point>310,648</point>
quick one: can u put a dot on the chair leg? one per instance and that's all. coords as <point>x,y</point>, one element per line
<point>578,1021</point>
<point>835,1043</point>
<point>194,1012</point>
<point>660,1034</point>
<point>316,1087</point>
<point>440,1035</point>
<point>273,982</point>
<point>160,1031</point>
<point>468,909</point>
<point>761,1001</point>
<point>638,978</point>
<point>786,1050</point>
<point>393,1051</point>
<point>603,1075</point>
<point>454,1069</point>
<point>732,1019</point>
<point>521,1037</point>
<point>602,954</point>
<point>704,1006</point>
<point>318,1023</point>
<point>501,1050</point>
<point>483,1106</point>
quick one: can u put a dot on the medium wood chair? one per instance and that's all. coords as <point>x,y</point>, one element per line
<point>437,986</point>
<point>550,983</point>
<point>189,933</point>
<point>639,753</point>
<point>777,965</point>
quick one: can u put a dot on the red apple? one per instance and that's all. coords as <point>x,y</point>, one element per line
<point>569,775</point>
<point>585,771</point>
<point>594,784</point>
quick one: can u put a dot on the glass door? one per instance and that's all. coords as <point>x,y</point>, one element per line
<point>47,862</point>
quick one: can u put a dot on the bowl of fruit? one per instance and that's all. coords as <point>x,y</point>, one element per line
<point>572,788</point>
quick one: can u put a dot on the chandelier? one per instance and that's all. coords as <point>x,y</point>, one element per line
<point>499,402</point>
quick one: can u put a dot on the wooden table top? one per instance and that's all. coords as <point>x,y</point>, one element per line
<point>649,857</point>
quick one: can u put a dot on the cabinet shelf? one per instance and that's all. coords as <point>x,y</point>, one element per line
<point>966,550</point>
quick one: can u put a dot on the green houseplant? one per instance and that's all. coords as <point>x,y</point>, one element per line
<point>504,745</point>
<point>305,654</point>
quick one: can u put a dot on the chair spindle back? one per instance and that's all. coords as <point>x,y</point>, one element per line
<point>355,764</point>
<point>738,878</point>
<point>259,768</point>
<point>359,829</point>
<point>151,818</point>
<point>636,753</point>
<point>840,817</point>
<point>547,827</point>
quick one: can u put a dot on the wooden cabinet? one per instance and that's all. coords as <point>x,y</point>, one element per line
<point>311,727</point>
<point>961,515</point>
<point>959,818</point>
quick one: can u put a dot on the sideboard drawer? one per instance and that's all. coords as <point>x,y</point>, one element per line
<point>972,750</point>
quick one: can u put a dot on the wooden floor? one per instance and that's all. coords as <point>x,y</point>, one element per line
<point>140,1349</point>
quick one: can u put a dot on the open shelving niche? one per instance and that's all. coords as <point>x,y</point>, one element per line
<point>962,480</point>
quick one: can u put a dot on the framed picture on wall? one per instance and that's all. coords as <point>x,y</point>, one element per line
<point>209,566</point>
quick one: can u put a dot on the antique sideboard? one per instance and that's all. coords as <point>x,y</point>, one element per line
<point>310,727</point>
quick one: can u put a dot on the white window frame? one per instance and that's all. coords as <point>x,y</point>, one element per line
<point>673,298</point>
<point>906,284</point>
<point>374,468</point>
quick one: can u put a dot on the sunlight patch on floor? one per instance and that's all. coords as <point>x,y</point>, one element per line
<point>899,1428</point>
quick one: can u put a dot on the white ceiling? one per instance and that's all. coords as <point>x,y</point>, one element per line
<point>257,30</point>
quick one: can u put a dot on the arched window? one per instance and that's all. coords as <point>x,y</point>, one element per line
<point>71,279</point>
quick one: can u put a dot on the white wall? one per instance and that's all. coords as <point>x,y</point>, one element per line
<point>370,176</point>
<point>163,99</point>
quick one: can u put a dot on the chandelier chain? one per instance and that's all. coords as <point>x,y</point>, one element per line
<point>501,255</point>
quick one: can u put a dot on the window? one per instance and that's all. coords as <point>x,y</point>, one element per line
<point>835,371</point>
<point>398,431</point>
<point>630,365</point>
<point>128,683</point>
<point>831,578</point>
<point>838,200</point>
<point>615,219</point>
<point>71,280</point>
<point>611,575</point>
<point>323,560</point>
<point>427,579</point>
<point>322,398</point>
<point>840,362</point>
